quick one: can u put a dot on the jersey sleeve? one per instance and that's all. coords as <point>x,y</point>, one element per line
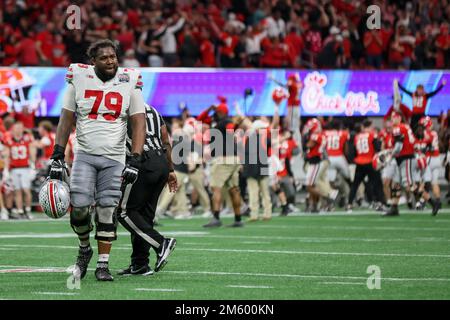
<point>139,84</point>
<point>69,74</point>
<point>137,104</point>
<point>69,102</point>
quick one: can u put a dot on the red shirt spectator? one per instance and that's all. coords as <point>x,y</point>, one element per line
<point>27,53</point>
<point>373,42</point>
<point>26,117</point>
<point>207,53</point>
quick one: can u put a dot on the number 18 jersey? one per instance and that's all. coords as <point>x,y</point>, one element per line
<point>102,108</point>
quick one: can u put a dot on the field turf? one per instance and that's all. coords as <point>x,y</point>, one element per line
<point>294,257</point>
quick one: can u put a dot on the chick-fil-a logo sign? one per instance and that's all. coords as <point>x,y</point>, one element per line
<point>314,99</point>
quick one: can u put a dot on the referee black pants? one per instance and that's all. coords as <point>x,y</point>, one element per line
<point>374,181</point>
<point>136,211</point>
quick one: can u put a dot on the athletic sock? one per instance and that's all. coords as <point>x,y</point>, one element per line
<point>216,214</point>
<point>430,201</point>
<point>237,218</point>
<point>103,260</point>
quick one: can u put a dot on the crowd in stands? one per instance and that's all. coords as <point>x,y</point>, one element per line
<point>231,33</point>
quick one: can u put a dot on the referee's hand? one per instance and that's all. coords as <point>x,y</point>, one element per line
<point>172,182</point>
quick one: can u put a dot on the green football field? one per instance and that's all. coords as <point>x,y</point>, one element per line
<point>294,257</point>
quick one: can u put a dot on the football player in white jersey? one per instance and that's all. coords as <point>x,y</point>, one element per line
<point>103,97</point>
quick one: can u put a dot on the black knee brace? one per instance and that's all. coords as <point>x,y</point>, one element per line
<point>105,231</point>
<point>396,191</point>
<point>81,222</point>
<point>428,186</point>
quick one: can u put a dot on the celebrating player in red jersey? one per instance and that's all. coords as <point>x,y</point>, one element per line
<point>431,175</point>
<point>20,156</point>
<point>336,149</point>
<point>316,175</point>
<point>420,101</point>
<point>46,143</point>
<point>388,171</point>
<point>403,152</point>
<point>367,144</point>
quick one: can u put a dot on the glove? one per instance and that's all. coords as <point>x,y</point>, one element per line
<point>58,165</point>
<point>131,170</point>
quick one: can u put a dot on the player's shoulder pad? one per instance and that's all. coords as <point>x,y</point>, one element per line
<point>134,76</point>
<point>75,69</point>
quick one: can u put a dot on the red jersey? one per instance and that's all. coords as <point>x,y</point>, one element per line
<point>286,149</point>
<point>316,152</point>
<point>387,139</point>
<point>19,151</point>
<point>364,147</point>
<point>336,140</point>
<point>48,141</point>
<point>294,93</point>
<point>419,103</point>
<point>432,139</point>
<point>421,145</point>
<point>404,133</point>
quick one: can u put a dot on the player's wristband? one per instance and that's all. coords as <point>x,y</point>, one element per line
<point>58,152</point>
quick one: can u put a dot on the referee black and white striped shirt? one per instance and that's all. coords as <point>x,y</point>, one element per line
<point>153,140</point>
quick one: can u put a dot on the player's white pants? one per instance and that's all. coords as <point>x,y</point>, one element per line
<point>21,178</point>
<point>403,173</point>
<point>338,164</point>
<point>432,170</point>
<point>388,171</point>
<point>294,124</point>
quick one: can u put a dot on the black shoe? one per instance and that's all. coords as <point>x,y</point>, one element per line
<point>167,247</point>
<point>410,205</point>
<point>133,270</point>
<point>213,223</point>
<point>83,259</point>
<point>436,207</point>
<point>102,273</point>
<point>247,212</point>
<point>285,210</point>
<point>393,211</point>
<point>125,272</point>
<point>236,224</point>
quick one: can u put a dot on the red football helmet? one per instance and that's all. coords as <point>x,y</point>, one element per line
<point>278,95</point>
<point>313,125</point>
<point>426,122</point>
<point>381,159</point>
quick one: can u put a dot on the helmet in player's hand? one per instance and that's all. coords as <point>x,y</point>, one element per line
<point>278,95</point>
<point>381,159</point>
<point>313,125</point>
<point>426,122</point>
<point>54,198</point>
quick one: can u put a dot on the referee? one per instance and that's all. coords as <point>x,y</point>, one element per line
<point>136,210</point>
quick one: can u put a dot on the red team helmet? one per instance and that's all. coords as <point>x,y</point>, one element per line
<point>426,122</point>
<point>313,125</point>
<point>278,95</point>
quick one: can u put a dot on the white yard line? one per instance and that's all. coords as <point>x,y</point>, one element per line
<point>202,235</point>
<point>249,287</point>
<point>158,289</point>
<point>320,253</point>
<point>56,293</point>
<point>343,283</point>
<point>289,252</point>
<point>265,275</point>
